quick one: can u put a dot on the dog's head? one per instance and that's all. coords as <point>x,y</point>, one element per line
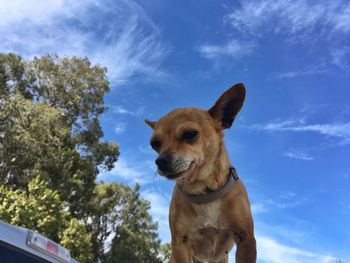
<point>189,141</point>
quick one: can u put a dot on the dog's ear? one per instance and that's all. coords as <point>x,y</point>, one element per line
<point>228,105</point>
<point>150,123</point>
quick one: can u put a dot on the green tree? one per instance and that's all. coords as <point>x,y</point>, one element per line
<point>106,205</point>
<point>165,252</point>
<point>41,209</point>
<point>49,125</point>
<point>50,154</point>
<point>136,239</point>
<point>121,215</point>
<point>78,240</point>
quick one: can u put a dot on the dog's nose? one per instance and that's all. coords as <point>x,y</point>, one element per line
<point>163,161</point>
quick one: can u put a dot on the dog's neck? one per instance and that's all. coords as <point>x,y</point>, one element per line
<point>215,174</point>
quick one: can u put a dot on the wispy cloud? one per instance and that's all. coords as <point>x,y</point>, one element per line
<point>341,20</point>
<point>116,34</point>
<point>120,127</point>
<point>124,111</point>
<point>299,155</point>
<point>234,49</point>
<point>272,251</point>
<point>298,18</point>
<point>17,10</point>
<point>341,57</point>
<point>336,130</point>
<point>285,200</point>
<point>129,172</point>
<point>291,242</point>
<point>288,200</point>
<point>320,69</point>
<point>258,208</point>
<point>323,25</point>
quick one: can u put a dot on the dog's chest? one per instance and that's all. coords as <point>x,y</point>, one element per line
<point>208,215</point>
<point>209,239</point>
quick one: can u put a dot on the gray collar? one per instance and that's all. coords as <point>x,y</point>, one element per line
<point>212,195</point>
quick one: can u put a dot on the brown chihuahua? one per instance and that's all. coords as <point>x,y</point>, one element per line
<point>210,209</point>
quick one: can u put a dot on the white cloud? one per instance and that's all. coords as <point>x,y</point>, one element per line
<point>271,251</point>
<point>305,72</point>
<point>234,49</point>
<point>116,34</point>
<point>297,17</point>
<point>337,130</point>
<point>287,203</point>
<point>299,155</point>
<point>258,208</point>
<point>341,58</point>
<point>128,171</point>
<point>321,24</point>
<point>120,128</point>
<point>19,10</point>
<point>120,110</point>
<point>284,200</point>
<point>342,20</point>
<point>124,111</point>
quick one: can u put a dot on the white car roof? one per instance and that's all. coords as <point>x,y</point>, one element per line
<point>17,237</point>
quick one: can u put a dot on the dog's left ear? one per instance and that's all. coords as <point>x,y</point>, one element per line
<point>228,105</point>
<point>150,123</point>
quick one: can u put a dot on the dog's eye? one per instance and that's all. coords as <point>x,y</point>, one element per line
<point>189,136</point>
<point>156,145</point>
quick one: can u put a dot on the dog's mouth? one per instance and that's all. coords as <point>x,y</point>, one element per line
<point>178,175</point>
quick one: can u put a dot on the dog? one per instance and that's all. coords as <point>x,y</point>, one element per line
<point>209,210</point>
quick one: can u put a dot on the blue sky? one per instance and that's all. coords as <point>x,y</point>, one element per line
<point>291,142</point>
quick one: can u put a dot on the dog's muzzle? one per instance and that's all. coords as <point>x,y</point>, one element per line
<point>172,165</point>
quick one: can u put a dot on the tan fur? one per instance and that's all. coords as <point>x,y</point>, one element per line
<point>207,232</point>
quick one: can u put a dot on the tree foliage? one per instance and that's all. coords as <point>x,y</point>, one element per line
<point>108,201</point>
<point>50,125</point>
<point>50,155</point>
<point>165,252</point>
<point>77,238</point>
<point>41,209</point>
<point>135,236</point>
<point>19,207</point>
